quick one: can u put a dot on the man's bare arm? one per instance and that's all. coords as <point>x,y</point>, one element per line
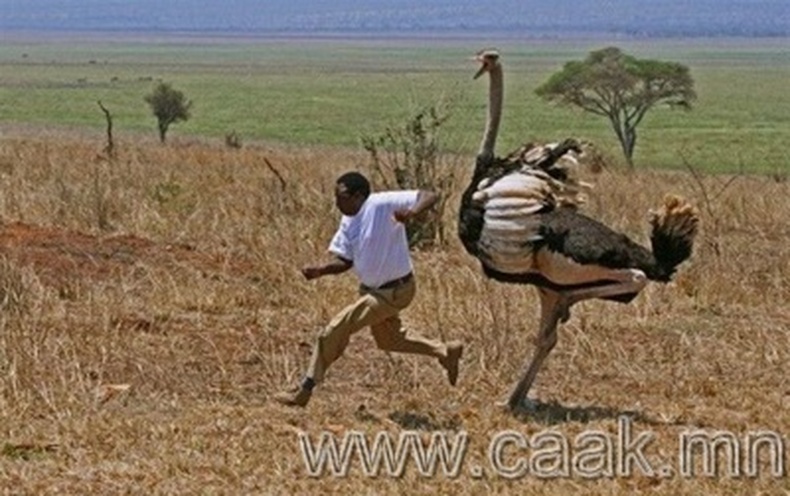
<point>338,265</point>
<point>425,200</point>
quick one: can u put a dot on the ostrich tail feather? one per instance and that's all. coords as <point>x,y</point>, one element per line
<point>674,227</point>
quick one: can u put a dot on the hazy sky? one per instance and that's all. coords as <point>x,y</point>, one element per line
<point>739,17</point>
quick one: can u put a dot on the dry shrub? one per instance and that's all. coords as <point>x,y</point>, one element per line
<point>409,157</point>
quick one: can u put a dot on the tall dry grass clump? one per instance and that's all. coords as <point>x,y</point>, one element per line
<point>156,301</point>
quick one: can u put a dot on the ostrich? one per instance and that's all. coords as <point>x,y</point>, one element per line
<point>519,217</point>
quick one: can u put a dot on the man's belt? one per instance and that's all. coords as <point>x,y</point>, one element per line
<point>397,282</point>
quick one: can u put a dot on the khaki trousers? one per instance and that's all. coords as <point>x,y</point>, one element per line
<point>378,309</point>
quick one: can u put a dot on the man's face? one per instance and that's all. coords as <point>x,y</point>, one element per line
<point>348,203</point>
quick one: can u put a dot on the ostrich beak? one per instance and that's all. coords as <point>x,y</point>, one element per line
<point>480,72</point>
<point>488,59</point>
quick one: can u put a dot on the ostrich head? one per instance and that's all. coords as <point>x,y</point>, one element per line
<point>489,60</point>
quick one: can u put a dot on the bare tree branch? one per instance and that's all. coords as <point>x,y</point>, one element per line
<point>109,149</point>
<point>283,184</point>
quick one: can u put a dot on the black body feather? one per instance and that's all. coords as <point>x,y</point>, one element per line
<point>587,241</point>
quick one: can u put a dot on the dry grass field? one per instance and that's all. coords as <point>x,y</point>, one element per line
<point>150,306</point>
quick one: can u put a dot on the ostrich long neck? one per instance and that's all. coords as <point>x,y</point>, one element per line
<point>495,93</point>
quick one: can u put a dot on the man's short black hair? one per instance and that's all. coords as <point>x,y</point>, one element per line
<point>355,183</point>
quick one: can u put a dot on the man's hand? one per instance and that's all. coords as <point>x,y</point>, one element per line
<point>425,200</point>
<point>336,266</point>
<point>312,272</point>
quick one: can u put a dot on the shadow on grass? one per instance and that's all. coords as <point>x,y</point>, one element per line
<point>555,413</point>
<point>424,422</point>
<point>543,413</point>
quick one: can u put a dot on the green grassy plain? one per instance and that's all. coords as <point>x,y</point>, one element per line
<point>307,92</point>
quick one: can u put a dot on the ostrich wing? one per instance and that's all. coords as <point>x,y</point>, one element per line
<point>587,241</point>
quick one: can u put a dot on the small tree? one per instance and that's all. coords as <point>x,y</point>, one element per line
<point>169,106</point>
<point>621,88</point>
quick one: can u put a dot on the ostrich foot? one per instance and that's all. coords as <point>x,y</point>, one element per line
<point>526,406</point>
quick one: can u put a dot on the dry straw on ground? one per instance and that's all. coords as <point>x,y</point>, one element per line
<point>150,305</point>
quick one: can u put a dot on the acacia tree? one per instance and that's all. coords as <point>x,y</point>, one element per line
<point>621,88</point>
<point>169,106</point>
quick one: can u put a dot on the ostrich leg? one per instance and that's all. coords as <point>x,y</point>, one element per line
<point>552,307</point>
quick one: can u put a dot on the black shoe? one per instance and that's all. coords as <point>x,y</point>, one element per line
<point>297,396</point>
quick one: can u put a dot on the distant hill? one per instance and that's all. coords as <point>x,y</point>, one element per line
<point>548,18</point>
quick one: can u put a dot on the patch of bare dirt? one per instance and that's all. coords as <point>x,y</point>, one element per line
<point>57,254</point>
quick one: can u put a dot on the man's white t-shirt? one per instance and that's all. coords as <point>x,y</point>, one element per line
<point>374,241</point>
